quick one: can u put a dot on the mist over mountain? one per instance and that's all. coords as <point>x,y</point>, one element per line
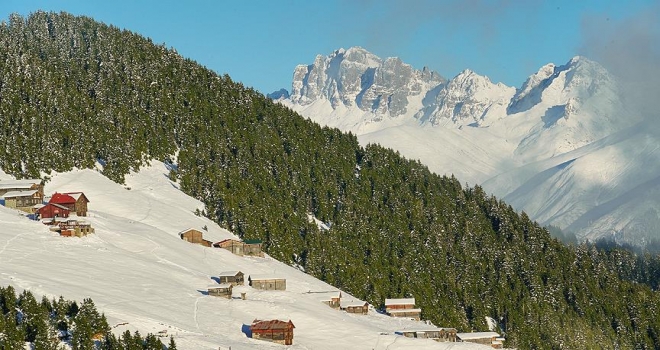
<point>565,147</point>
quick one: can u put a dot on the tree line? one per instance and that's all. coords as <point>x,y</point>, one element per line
<point>55,324</point>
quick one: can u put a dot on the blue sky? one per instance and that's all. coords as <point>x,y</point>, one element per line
<point>259,43</point>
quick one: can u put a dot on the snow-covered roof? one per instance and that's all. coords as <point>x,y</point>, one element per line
<point>188,229</point>
<point>38,206</point>
<point>57,206</point>
<point>12,194</point>
<point>19,183</point>
<point>229,273</point>
<point>228,240</point>
<point>328,295</point>
<point>405,301</point>
<point>426,328</point>
<point>265,277</point>
<point>351,303</point>
<point>75,195</point>
<point>220,285</point>
<point>477,335</point>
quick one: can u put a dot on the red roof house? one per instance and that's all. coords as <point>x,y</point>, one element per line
<point>75,201</point>
<point>53,210</point>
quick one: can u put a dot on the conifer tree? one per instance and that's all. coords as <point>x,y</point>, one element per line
<point>172,344</point>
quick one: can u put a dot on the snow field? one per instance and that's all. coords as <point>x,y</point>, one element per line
<point>144,277</point>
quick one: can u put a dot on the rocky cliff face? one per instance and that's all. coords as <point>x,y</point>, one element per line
<point>358,78</point>
<point>466,100</point>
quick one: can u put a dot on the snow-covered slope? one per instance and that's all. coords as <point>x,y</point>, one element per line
<point>138,271</point>
<point>564,148</point>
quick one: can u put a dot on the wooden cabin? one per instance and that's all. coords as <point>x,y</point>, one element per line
<point>332,299</point>
<point>249,247</point>
<point>267,282</point>
<point>53,210</point>
<point>276,331</point>
<point>354,306</point>
<point>221,290</point>
<point>74,201</point>
<point>403,308</point>
<point>437,334</point>
<point>22,185</point>
<point>194,236</point>
<point>236,278</point>
<point>232,245</point>
<point>491,339</point>
<point>252,247</point>
<point>23,200</point>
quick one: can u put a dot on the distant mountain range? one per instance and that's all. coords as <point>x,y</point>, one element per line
<point>563,147</point>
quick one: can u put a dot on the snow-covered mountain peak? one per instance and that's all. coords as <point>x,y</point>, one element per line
<point>578,79</point>
<point>469,81</point>
<point>356,78</point>
<point>465,100</point>
<point>358,55</point>
<point>518,143</point>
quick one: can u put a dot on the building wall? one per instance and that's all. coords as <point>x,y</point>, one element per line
<point>363,310</point>
<point>252,249</point>
<point>273,284</point>
<point>415,315</point>
<point>49,212</point>
<point>284,337</point>
<point>81,206</point>
<point>193,236</point>
<point>233,246</point>
<point>483,341</point>
<point>10,203</point>
<point>399,307</point>
<point>234,280</point>
<point>220,292</point>
<point>23,203</point>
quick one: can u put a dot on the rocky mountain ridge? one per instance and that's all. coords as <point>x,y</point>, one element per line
<point>555,129</point>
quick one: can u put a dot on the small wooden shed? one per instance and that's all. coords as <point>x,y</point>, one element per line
<point>221,290</point>
<point>354,306</point>
<point>252,247</point>
<point>194,236</point>
<point>437,334</point>
<point>277,331</point>
<point>332,299</point>
<point>236,278</point>
<point>267,282</point>
<point>485,338</point>
<point>232,245</point>
<point>403,308</point>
